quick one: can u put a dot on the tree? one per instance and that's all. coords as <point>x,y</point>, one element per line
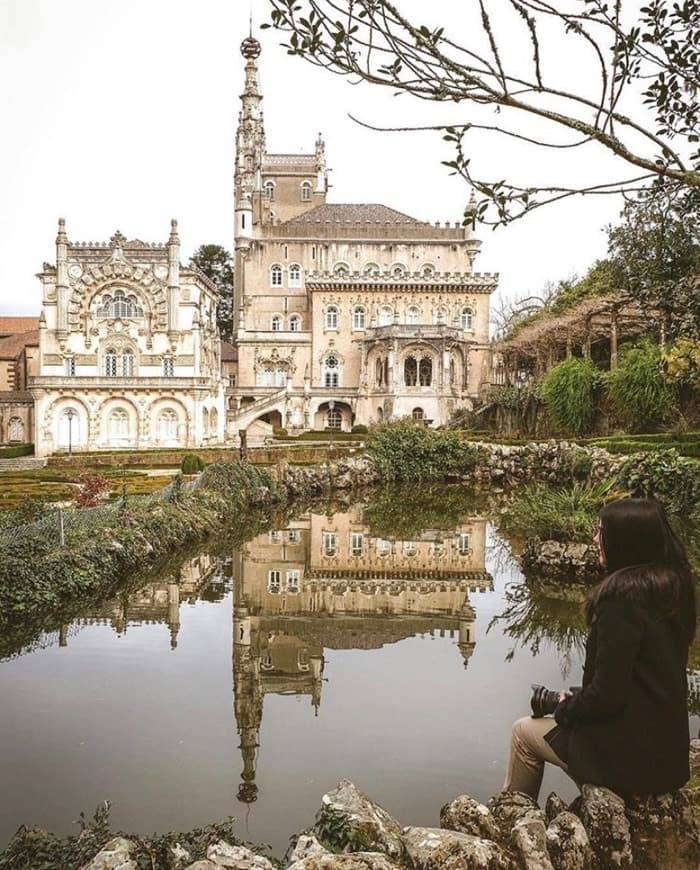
<point>656,248</point>
<point>639,71</point>
<point>638,388</point>
<point>216,263</point>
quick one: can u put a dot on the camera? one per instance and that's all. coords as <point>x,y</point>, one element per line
<point>543,701</point>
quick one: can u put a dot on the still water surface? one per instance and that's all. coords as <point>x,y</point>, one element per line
<point>249,685</point>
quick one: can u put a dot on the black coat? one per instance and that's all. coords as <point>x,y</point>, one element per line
<point>627,728</point>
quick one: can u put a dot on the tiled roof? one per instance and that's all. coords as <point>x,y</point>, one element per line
<point>12,325</point>
<point>13,345</point>
<point>353,213</point>
<point>229,353</point>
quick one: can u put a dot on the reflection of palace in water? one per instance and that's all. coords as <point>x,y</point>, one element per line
<point>326,582</point>
<point>156,603</point>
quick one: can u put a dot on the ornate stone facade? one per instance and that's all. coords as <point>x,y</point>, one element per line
<point>346,312</point>
<point>129,351</point>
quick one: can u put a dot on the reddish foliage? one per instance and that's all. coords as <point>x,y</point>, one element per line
<point>91,488</point>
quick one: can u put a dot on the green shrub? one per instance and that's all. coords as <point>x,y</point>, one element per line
<point>359,429</point>
<point>665,475</point>
<point>15,450</point>
<point>410,451</point>
<point>280,432</point>
<point>191,463</point>
<point>569,392</point>
<point>639,389</point>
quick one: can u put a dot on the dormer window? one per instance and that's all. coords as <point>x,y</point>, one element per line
<point>306,191</point>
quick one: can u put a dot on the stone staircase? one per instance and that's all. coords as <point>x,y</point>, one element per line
<point>22,463</point>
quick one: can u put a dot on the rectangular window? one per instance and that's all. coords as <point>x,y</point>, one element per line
<point>70,366</point>
<point>329,544</point>
<point>463,544</point>
<point>293,580</point>
<point>313,252</point>
<point>383,547</point>
<point>275,537</point>
<point>357,540</point>
<point>274,580</point>
<point>292,536</point>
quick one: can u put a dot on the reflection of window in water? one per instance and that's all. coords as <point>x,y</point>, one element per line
<point>329,544</point>
<point>383,547</point>
<point>266,662</point>
<point>292,536</point>
<point>293,580</point>
<point>357,540</point>
<point>274,580</point>
<point>410,548</point>
<point>463,544</point>
<point>275,537</point>
<point>303,660</point>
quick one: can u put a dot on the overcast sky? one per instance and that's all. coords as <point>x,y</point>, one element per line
<point>120,114</point>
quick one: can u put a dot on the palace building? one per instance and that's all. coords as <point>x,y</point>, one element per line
<point>344,313</point>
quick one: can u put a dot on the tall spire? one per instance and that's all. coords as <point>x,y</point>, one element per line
<point>250,136</point>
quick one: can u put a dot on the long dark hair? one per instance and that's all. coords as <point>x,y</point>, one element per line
<point>646,563</point>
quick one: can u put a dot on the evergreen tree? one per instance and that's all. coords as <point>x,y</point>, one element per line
<point>217,264</point>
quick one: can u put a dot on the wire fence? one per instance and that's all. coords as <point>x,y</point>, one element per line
<point>62,520</point>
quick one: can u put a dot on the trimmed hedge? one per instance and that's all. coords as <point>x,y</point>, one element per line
<point>15,450</point>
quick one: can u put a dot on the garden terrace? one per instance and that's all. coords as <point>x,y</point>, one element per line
<point>548,338</point>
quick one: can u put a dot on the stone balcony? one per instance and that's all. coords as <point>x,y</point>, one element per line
<point>414,332</point>
<point>81,382</point>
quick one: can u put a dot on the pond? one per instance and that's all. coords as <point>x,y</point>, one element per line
<point>356,643</point>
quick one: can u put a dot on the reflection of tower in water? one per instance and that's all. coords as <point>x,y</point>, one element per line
<point>328,583</point>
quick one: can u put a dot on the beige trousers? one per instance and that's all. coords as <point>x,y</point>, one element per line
<point>528,753</point>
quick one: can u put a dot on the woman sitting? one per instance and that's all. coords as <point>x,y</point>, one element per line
<point>627,727</point>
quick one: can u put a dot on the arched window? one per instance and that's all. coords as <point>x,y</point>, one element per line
<point>331,371</point>
<point>332,317</point>
<point>398,271</point>
<point>167,426</point>
<point>295,323</point>
<point>341,270</point>
<point>168,367</point>
<point>70,430</point>
<point>371,270</point>
<point>214,421</point>
<point>380,414</point>
<point>111,362</point>
<point>269,189</point>
<point>418,415</point>
<point>118,425</point>
<point>467,319</point>
<point>281,377</point>
<point>15,429</point>
<point>386,316</point>
<point>413,316</point>
<point>410,371</point>
<point>205,421</point>
<point>334,419</point>
<point>441,315</point>
<point>358,317</point>
<point>276,275</point>
<point>425,372</point>
<point>128,363</point>
<point>306,191</point>
<point>268,379</point>
<point>276,323</point>
<point>294,275</point>
<point>383,547</point>
<point>428,270</point>
<point>119,305</point>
